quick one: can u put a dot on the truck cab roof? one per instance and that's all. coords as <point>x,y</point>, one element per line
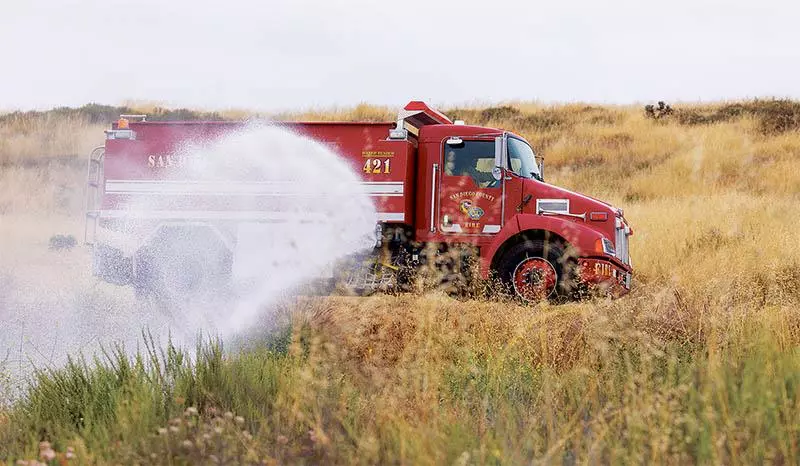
<point>439,132</point>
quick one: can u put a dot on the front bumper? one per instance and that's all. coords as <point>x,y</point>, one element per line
<point>604,275</point>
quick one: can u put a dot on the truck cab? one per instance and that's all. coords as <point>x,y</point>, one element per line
<point>485,188</point>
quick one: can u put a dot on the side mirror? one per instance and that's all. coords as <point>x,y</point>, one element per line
<point>500,157</point>
<point>497,173</point>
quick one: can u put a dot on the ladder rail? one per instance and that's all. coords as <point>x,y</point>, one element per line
<point>94,171</point>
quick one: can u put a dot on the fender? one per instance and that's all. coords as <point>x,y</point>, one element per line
<point>579,236</point>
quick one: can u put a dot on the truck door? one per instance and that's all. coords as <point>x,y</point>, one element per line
<point>470,198</point>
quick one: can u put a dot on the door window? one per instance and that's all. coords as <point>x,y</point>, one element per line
<point>474,159</point>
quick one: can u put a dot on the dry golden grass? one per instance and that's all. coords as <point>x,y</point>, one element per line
<point>520,383</point>
<point>66,132</point>
<point>154,108</point>
<point>699,364</point>
<point>22,139</point>
<point>361,112</point>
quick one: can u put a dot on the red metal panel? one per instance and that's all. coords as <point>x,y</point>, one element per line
<point>434,115</point>
<point>370,153</point>
<point>153,156</point>
<point>431,142</point>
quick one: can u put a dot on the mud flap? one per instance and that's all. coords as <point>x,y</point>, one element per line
<point>111,265</point>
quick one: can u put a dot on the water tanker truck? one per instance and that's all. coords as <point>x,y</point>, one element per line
<point>441,189</point>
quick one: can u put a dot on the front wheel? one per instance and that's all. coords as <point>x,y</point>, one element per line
<point>535,270</point>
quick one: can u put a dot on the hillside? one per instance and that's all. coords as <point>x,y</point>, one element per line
<point>699,364</point>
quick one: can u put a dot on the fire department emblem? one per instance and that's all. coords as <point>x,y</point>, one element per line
<point>472,211</point>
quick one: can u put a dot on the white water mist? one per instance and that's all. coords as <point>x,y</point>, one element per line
<point>310,210</point>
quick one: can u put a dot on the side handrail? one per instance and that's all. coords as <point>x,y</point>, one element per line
<point>94,172</point>
<point>433,197</point>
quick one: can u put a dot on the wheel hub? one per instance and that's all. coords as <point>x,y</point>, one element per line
<point>185,276</point>
<point>534,279</point>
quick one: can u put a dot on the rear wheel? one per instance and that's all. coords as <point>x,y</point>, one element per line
<point>535,270</point>
<point>182,276</point>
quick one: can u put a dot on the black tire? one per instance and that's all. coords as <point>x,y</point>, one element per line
<point>406,273</point>
<point>182,276</point>
<point>555,254</point>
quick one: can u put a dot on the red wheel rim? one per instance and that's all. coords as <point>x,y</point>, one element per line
<point>534,279</point>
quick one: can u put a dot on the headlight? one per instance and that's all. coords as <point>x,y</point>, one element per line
<point>608,247</point>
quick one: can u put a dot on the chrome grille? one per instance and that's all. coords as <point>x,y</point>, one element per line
<point>622,242</point>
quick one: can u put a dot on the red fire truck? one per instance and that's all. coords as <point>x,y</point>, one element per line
<point>438,187</point>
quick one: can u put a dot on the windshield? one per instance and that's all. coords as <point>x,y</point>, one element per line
<point>522,159</point>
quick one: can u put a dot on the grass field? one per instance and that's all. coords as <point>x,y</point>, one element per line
<point>699,364</point>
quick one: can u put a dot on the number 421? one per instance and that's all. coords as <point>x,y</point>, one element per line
<point>377,166</point>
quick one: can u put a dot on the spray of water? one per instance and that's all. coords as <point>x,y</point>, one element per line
<point>299,207</point>
<point>313,211</point>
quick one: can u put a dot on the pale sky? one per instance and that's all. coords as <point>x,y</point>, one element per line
<point>274,55</point>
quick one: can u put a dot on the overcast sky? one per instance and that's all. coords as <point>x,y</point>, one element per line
<point>288,54</point>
